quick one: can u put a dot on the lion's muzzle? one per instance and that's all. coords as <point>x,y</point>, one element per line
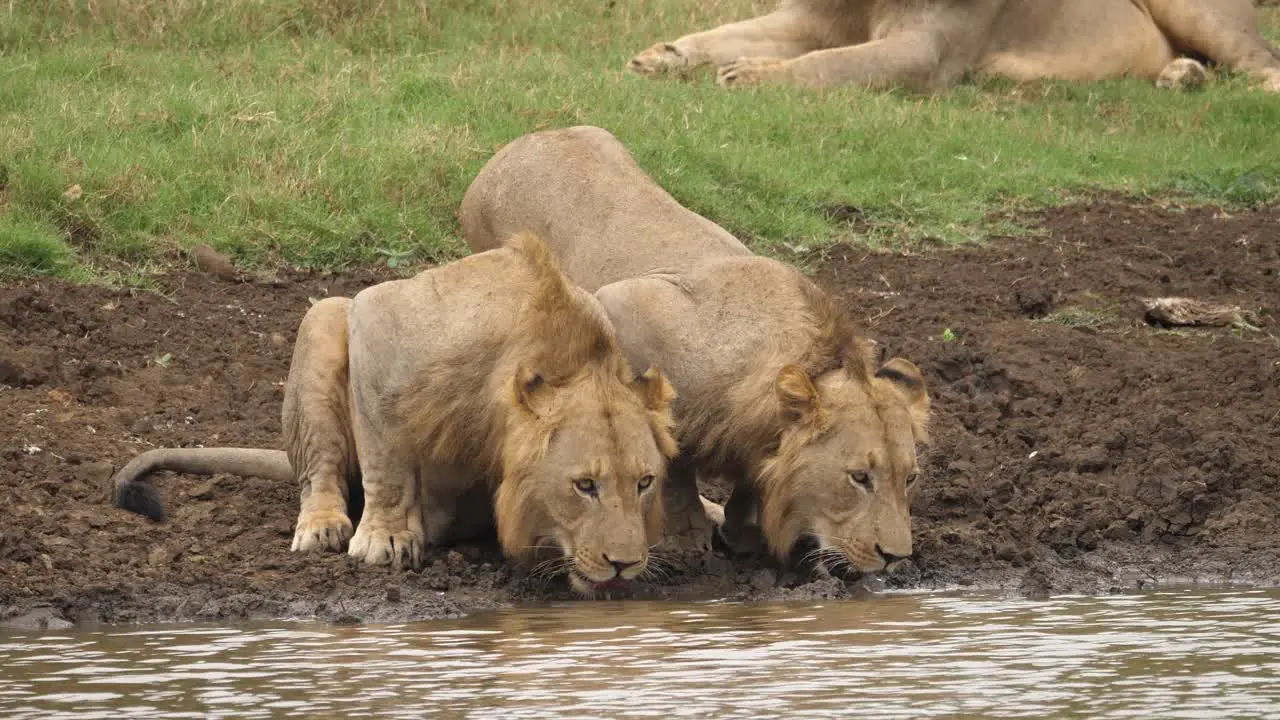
<point>593,574</point>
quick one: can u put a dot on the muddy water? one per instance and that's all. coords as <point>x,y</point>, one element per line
<point>1164,654</point>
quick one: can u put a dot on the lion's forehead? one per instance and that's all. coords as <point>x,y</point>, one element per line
<point>604,466</point>
<point>877,440</point>
<point>608,442</point>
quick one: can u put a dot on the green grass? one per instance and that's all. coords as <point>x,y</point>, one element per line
<point>328,132</point>
<point>29,246</point>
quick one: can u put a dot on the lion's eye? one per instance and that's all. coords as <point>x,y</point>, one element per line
<point>911,478</point>
<point>586,486</point>
<point>645,483</point>
<point>862,479</point>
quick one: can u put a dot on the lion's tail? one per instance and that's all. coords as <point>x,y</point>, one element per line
<point>131,490</point>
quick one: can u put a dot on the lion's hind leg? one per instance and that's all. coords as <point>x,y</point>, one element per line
<point>316,419</point>
<point>1224,31</point>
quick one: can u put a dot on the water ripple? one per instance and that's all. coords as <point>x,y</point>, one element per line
<point>1195,654</point>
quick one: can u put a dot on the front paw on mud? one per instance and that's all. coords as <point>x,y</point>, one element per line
<point>746,72</point>
<point>322,530</point>
<point>661,58</point>
<point>691,539</point>
<point>383,546</point>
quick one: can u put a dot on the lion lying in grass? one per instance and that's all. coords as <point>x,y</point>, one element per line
<point>775,391</point>
<point>929,45</point>
<point>486,389</point>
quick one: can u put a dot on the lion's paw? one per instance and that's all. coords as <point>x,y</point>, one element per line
<point>692,540</point>
<point>691,537</point>
<point>661,58</point>
<point>379,545</point>
<point>745,72</point>
<point>328,529</point>
<point>1272,83</point>
<point>1182,74</point>
<point>714,511</point>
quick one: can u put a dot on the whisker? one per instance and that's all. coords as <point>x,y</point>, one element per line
<point>834,561</point>
<point>551,568</point>
<point>830,560</point>
<point>813,554</point>
<point>661,562</point>
<point>654,573</point>
<point>545,563</point>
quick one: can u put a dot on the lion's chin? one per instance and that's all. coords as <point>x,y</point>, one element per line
<point>588,587</point>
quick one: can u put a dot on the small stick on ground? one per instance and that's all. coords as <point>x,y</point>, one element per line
<point>1176,311</point>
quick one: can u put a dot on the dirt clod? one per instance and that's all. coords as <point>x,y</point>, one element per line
<point>214,263</point>
<point>764,579</point>
<point>1093,460</point>
<point>1034,301</point>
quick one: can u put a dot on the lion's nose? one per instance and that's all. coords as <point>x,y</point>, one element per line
<point>889,558</point>
<point>620,565</point>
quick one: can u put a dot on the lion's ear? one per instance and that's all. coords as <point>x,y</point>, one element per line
<point>909,382</point>
<point>797,397</point>
<point>655,392</point>
<point>657,395</point>
<point>527,387</point>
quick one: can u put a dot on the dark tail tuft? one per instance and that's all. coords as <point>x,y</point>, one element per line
<point>142,498</point>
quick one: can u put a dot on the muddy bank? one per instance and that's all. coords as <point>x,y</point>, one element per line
<point>1076,447</point>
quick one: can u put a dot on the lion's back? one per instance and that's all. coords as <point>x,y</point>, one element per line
<point>457,312</point>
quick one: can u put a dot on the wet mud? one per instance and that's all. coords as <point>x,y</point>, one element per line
<point>1076,446</point>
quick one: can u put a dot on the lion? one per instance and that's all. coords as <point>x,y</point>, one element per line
<point>930,45</point>
<point>774,390</point>
<point>487,391</point>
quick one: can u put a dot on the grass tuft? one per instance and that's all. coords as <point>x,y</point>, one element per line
<point>31,247</point>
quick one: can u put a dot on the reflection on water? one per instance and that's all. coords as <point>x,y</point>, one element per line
<point>1193,654</point>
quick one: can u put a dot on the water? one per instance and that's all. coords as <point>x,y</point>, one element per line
<point>1193,654</point>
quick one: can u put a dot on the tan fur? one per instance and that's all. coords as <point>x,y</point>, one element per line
<point>929,45</point>
<point>486,389</point>
<point>775,388</point>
